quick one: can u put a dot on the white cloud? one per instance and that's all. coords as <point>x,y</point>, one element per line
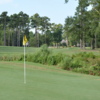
<point>5,1</point>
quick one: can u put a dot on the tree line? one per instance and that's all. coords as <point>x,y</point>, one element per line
<point>14,27</point>
<point>83,29</point>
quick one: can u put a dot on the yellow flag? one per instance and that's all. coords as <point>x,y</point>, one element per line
<point>25,40</point>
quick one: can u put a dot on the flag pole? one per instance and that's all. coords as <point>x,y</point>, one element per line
<point>24,43</point>
<point>24,67</point>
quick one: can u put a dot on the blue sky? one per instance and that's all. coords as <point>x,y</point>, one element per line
<point>56,10</point>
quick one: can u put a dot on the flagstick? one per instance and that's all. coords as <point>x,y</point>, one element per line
<point>24,67</point>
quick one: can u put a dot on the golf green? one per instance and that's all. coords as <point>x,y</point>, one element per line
<point>45,83</point>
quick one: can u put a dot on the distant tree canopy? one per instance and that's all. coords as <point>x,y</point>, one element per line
<point>12,29</point>
<point>83,29</point>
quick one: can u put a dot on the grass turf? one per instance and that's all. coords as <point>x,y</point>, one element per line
<point>45,83</point>
<point>11,50</point>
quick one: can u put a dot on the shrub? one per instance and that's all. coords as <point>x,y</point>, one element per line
<point>35,57</point>
<point>55,59</point>
<point>20,58</point>
<point>94,61</point>
<point>41,56</point>
<point>82,70</point>
<point>98,61</point>
<point>77,62</point>
<point>51,60</point>
<point>29,57</point>
<point>85,55</point>
<point>44,49</point>
<point>66,63</point>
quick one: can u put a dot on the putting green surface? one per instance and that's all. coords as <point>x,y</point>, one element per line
<point>45,83</point>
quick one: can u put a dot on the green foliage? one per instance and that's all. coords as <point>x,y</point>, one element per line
<point>87,63</point>
<point>85,55</point>
<point>12,58</point>
<point>90,66</point>
<point>69,63</point>
<point>76,63</point>
<point>83,62</point>
<point>66,63</point>
<point>51,60</point>
<point>40,56</point>
<point>29,57</point>
<point>44,49</point>
<point>55,59</point>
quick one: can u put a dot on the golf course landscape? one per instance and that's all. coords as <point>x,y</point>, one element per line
<point>49,49</point>
<point>44,82</point>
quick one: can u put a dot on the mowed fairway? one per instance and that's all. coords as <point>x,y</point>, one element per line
<point>10,50</point>
<point>45,83</point>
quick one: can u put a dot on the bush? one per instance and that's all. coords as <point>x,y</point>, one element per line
<point>29,57</point>
<point>83,62</point>
<point>94,61</point>
<point>51,60</point>
<point>98,61</point>
<point>66,63</point>
<point>41,56</point>
<point>55,59</point>
<point>81,70</point>
<point>11,58</point>
<point>35,57</point>
<point>44,49</point>
<point>84,55</point>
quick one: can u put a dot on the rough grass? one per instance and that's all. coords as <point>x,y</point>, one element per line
<point>45,83</point>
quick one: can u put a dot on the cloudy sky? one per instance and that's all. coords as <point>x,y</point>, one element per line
<point>56,10</point>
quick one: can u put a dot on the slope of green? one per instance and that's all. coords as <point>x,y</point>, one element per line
<point>45,83</point>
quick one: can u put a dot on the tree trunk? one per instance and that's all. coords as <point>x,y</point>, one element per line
<point>45,38</point>
<point>83,42</point>
<point>81,45</point>
<point>36,37</point>
<point>57,45</point>
<point>12,36</point>
<point>4,35</point>
<point>95,41</point>
<point>18,39</point>
<point>67,42</point>
<point>9,40</point>
<point>15,37</point>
